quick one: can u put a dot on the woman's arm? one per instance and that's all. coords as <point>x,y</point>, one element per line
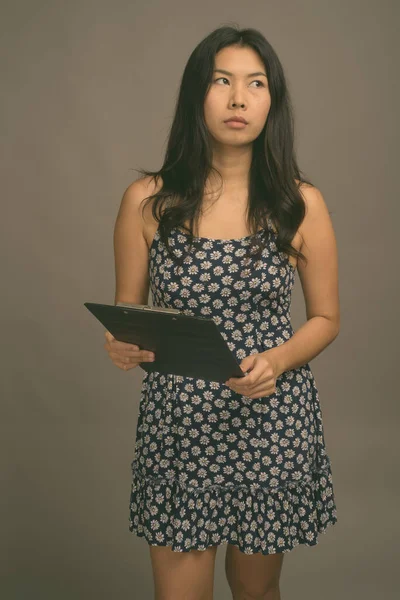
<point>131,252</point>
<point>319,280</point>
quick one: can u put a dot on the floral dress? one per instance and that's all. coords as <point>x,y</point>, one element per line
<point>210,465</point>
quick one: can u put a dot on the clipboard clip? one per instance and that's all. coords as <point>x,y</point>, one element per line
<point>150,308</point>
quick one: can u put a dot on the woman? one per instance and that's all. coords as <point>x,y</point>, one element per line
<point>226,223</point>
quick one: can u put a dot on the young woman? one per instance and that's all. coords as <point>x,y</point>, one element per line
<point>220,231</point>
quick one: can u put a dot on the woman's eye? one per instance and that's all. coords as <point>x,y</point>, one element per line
<point>256,80</point>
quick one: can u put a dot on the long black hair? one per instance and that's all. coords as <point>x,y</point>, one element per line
<point>274,177</point>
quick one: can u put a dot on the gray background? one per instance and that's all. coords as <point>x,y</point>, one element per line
<point>88,91</point>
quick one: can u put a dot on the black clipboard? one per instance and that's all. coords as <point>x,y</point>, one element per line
<point>185,345</point>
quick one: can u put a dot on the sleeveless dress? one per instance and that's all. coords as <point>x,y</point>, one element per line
<point>210,465</point>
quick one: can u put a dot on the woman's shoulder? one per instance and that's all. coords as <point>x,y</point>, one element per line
<point>150,185</point>
<point>139,191</point>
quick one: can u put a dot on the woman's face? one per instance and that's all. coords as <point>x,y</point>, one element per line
<point>238,94</point>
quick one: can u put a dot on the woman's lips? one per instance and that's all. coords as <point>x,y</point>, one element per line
<point>235,124</point>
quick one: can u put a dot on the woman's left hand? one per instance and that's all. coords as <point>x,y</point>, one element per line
<point>261,380</point>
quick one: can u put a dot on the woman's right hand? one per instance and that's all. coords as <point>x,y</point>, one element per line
<point>126,356</point>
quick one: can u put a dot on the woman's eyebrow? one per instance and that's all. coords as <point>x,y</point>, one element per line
<point>232,75</point>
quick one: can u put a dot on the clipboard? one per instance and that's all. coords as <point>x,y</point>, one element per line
<point>185,345</point>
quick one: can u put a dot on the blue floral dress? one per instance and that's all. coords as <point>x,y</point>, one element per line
<point>211,466</point>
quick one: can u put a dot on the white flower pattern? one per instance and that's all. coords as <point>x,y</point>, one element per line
<point>212,466</point>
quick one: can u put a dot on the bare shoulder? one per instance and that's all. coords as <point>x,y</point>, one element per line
<point>317,213</point>
<point>149,184</point>
<point>134,196</point>
<point>319,276</point>
<point>139,190</point>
